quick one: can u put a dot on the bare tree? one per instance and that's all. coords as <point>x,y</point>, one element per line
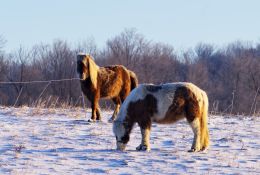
<point>230,75</point>
<point>126,48</point>
<point>87,46</point>
<point>204,50</point>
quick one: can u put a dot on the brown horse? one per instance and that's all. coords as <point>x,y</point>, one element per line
<point>111,82</point>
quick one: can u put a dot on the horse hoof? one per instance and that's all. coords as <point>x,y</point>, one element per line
<point>143,148</point>
<point>204,149</point>
<point>192,150</point>
<point>91,120</point>
<point>111,120</point>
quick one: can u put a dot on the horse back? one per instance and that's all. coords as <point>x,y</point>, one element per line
<point>113,80</point>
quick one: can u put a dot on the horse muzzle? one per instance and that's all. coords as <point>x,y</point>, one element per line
<point>120,146</point>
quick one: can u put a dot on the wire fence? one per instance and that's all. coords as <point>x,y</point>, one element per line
<point>46,84</point>
<point>81,97</point>
<point>38,81</point>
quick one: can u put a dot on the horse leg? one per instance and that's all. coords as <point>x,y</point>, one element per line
<point>98,113</point>
<point>145,143</point>
<point>195,125</point>
<point>117,102</point>
<point>94,106</point>
<point>124,94</point>
<point>93,114</point>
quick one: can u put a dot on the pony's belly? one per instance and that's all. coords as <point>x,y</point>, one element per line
<point>168,119</point>
<point>109,93</point>
<point>110,90</point>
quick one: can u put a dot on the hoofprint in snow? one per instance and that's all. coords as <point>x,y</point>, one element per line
<point>61,141</point>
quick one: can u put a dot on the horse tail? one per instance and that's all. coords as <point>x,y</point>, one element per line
<point>204,122</point>
<point>134,80</point>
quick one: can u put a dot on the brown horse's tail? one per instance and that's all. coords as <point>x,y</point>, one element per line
<point>134,80</point>
<point>204,123</point>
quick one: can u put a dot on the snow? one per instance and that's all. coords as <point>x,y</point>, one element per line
<point>61,141</point>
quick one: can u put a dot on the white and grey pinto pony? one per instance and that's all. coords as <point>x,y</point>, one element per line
<point>166,103</point>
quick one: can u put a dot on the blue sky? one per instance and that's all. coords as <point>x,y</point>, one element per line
<point>180,23</point>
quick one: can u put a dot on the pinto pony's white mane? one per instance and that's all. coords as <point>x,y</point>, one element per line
<point>167,96</point>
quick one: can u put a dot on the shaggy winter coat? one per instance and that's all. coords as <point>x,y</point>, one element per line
<point>111,82</point>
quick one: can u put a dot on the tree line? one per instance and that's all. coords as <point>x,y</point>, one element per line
<point>230,75</point>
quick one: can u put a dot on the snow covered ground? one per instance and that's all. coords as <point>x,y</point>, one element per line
<point>60,141</point>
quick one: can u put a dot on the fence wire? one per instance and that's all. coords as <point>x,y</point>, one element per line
<point>38,81</point>
<point>49,82</point>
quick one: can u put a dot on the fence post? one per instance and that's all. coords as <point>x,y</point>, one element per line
<point>84,105</point>
<point>254,102</point>
<point>36,103</point>
<point>20,92</point>
<point>232,102</point>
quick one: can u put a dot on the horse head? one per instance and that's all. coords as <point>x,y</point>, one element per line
<point>121,132</point>
<point>87,68</point>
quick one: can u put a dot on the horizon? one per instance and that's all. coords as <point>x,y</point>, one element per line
<point>182,25</point>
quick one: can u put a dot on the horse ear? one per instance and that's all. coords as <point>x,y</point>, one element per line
<point>93,71</point>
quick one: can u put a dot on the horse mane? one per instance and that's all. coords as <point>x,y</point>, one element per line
<point>93,71</point>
